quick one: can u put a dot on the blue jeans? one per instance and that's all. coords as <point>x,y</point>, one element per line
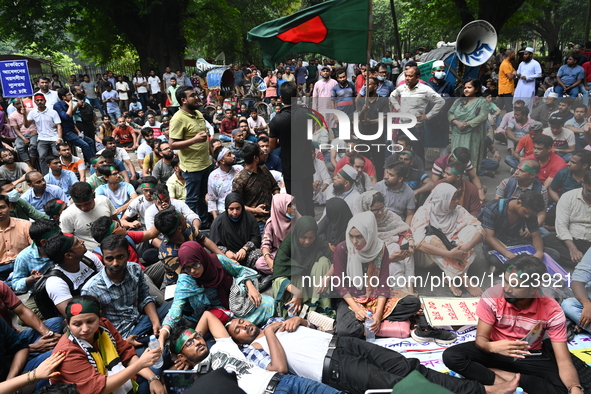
<point>249,103</point>
<point>25,152</point>
<point>574,92</point>
<point>488,165</point>
<point>573,309</point>
<point>114,116</point>
<point>565,157</point>
<point>84,142</point>
<point>585,95</point>
<point>291,384</point>
<point>144,99</point>
<point>96,103</point>
<point>5,270</point>
<point>511,161</point>
<point>225,138</point>
<point>55,324</point>
<point>196,184</point>
<point>45,148</point>
<point>144,326</point>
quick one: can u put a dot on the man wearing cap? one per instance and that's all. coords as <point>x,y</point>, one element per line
<point>343,187</point>
<point>528,71</point>
<point>525,146</point>
<point>573,225</point>
<point>219,184</point>
<point>322,93</point>
<point>49,129</point>
<point>414,99</point>
<point>542,112</point>
<point>564,139</point>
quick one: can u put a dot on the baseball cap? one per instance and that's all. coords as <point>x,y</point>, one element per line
<point>536,126</point>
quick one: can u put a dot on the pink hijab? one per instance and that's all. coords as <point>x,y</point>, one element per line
<point>280,223</point>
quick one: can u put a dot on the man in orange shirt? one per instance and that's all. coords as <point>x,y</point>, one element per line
<point>14,237</point>
<point>507,75</point>
<point>525,144</point>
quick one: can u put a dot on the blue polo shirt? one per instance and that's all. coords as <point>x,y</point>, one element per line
<point>564,182</point>
<point>50,193</point>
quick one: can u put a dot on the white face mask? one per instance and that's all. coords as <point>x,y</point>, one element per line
<point>381,78</point>
<point>440,74</point>
<point>219,112</point>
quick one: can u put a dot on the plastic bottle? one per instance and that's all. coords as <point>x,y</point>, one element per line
<point>455,374</point>
<point>518,390</point>
<point>154,344</point>
<point>370,336</point>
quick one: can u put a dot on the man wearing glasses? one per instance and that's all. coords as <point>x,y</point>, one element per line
<point>385,87</point>
<point>49,129</point>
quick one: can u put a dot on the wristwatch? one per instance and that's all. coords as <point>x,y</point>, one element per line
<point>49,333</point>
<point>153,378</point>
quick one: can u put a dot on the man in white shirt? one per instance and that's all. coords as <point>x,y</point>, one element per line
<point>529,70</point>
<point>141,87</point>
<point>219,183</point>
<point>564,139</point>
<point>343,187</point>
<point>49,129</point>
<point>145,147</point>
<point>256,123</point>
<point>51,96</point>
<point>122,89</point>
<point>154,86</point>
<point>138,206</point>
<point>87,207</point>
<point>414,98</point>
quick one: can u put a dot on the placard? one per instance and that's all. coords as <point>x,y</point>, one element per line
<point>15,79</point>
<point>450,311</point>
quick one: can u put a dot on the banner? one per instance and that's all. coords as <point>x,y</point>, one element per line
<point>15,79</point>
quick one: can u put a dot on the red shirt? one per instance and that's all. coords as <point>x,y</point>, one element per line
<point>526,143</point>
<point>123,134</point>
<point>8,302</point>
<point>554,164</point>
<point>470,199</point>
<point>587,67</point>
<point>227,125</point>
<point>514,324</point>
<point>369,167</point>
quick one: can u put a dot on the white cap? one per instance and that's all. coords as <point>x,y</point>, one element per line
<point>553,94</point>
<point>437,64</point>
<point>529,49</point>
<point>349,173</point>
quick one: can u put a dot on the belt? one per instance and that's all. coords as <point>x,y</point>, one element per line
<point>327,372</point>
<point>273,383</point>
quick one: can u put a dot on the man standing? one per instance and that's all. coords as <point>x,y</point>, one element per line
<point>507,75</point>
<point>141,87</point>
<point>528,71</point>
<point>51,96</point>
<point>84,115</point>
<point>414,98</point>
<point>65,109</point>
<point>49,128</point>
<point>172,96</point>
<point>166,77</point>
<point>26,137</point>
<point>188,135</point>
<point>90,90</point>
<point>322,93</point>
<point>154,86</point>
<point>111,98</point>
<point>246,89</point>
<point>437,128</point>
<point>384,87</point>
<point>344,93</point>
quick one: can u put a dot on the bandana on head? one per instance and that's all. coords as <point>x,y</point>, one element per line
<point>86,198</point>
<point>95,160</point>
<point>407,152</point>
<point>56,208</point>
<point>111,228</point>
<point>525,167</point>
<point>178,345</point>
<point>68,242</point>
<point>176,224</point>
<point>160,196</point>
<point>453,171</point>
<point>79,308</point>
<point>148,185</point>
<point>455,157</point>
<point>223,153</point>
<point>38,95</point>
<point>512,270</point>
<point>112,169</point>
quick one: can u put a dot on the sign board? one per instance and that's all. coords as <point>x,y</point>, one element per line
<point>15,79</point>
<point>451,311</point>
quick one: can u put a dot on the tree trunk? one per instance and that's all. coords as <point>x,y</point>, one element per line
<point>397,47</point>
<point>587,22</point>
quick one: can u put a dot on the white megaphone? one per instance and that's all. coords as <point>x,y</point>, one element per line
<point>203,67</point>
<point>475,43</point>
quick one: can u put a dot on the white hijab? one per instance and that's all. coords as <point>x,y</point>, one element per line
<point>440,216</point>
<point>366,224</point>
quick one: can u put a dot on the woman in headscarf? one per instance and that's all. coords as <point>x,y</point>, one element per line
<point>278,226</point>
<point>442,211</point>
<point>204,284</point>
<point>236,232</point>
<point>334,224</point>
<point>98,358</point>
<point>301,261</point>
<point>363,259</point>
<point>396,235</point>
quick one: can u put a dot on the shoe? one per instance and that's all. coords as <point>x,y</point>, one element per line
<point>265,283</point>
<point>430,334</point>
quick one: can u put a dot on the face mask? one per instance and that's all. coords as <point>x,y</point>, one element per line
<point>14,195</point>
<point>219,112</point>
<point>289,216</point>
<point>381,78</point>
<point>440,75</point>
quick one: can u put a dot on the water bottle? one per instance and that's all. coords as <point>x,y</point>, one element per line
<point>518,390</point>
<point>154,344</point>
<point>455,375</point>
<point>370,336</point>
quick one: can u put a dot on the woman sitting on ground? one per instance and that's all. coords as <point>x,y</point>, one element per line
<point>396,235</point>
<point>98,359</point>
<point>236,232</point>
<point>205,283</point>
<point>364,255</point>
<point>442,211</point>
<point>283,216</point>
<point>301,261</point>
<point>334,224</point>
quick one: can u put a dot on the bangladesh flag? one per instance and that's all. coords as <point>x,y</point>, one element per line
<point>337,29</point>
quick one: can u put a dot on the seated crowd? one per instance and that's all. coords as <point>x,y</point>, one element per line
<point>217,248</point>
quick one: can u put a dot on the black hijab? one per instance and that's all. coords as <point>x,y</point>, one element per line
<point>235,234</point>
<point>334,224</point>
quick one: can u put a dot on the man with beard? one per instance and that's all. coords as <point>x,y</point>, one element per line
<point>84,115</point>
<point>322,93</point>
<point>51,96</point>
<point>13,171</point>
<point>65,109</point>
<point>399,197</point>
<point>542,112</point>
<point>14,236</point>
<point>238,137</point>
<point>513,319</point>
<point>343,187</point>
<point>124,294</point>
<point>344,93</point>
<point>163,169</point>
<point>188,135</point>
<point>40,192</point>
<point>145,147</point>
<point>219,184</point>
<point>528,71</point>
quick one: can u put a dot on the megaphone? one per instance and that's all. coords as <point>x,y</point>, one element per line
<point>476,43</point>
<point>203,67</point>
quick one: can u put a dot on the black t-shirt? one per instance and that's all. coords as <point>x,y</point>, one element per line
<point>247,87</point>
<point>296,145</point>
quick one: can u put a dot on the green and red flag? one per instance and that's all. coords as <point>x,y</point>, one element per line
<point>337,29</point>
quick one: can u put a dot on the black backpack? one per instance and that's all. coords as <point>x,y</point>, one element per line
<point>44,303</point>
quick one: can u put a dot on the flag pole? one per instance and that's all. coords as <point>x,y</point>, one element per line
<point>368,57</point>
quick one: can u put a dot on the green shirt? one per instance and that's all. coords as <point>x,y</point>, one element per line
<point>172,92</point>
<point>184,126</point>
<point>24,210</point>
<point>95,181</point>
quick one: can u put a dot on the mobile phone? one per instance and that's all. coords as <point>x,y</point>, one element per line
<point>144,339</point>
<point>179,381</point>
<point>405,246</point>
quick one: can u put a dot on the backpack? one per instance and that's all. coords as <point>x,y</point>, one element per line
<point>44,303</point>
<point>512,185</point>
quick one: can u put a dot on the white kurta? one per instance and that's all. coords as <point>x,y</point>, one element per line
<point>526,88</point>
